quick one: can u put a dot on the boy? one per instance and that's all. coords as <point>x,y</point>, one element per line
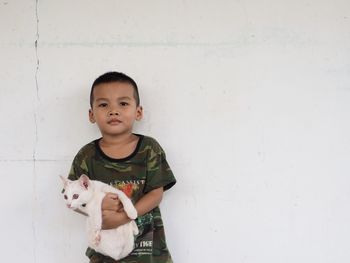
<point>133,163</point>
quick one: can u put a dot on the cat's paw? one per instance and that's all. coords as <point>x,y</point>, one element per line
<point>97,238</point>
<point>131,212</point>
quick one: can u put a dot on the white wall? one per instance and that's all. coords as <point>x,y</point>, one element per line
<point>250,100</point>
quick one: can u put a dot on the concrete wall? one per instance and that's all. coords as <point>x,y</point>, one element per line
<point>250,100</point>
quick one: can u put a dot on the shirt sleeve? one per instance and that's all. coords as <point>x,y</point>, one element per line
<point>78,167</point>
<point>159,173</point>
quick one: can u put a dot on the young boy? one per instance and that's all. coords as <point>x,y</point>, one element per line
<point>133,163</point>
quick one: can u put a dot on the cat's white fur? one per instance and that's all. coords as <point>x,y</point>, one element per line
<point>87,195</point>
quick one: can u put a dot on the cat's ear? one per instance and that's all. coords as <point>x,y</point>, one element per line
<point>65,180</point>
<point>84,181</point>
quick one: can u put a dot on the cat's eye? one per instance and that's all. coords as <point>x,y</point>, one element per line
<point>65,197</point>
<point>75,196</point>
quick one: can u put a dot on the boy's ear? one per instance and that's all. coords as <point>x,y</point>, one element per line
<point>84,181</point>
<point>139,113</point>
<point>91,116</point>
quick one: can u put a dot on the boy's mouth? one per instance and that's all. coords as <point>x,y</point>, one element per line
<point>114,121</point>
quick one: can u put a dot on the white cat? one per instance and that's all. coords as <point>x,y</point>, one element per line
<point>87,195</point>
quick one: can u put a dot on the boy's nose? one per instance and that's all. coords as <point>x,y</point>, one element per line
<point>113,112</point>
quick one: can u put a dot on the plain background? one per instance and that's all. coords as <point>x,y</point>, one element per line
<point>249,99</point>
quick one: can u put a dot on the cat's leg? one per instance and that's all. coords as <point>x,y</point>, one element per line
<point>135,229</point>
<point>97,237</point>
<point>94,236</point>
<point>128,206</point>
<point>129,239</point>
<point>95,218</point>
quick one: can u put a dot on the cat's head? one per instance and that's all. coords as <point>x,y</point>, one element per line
<point>77,193</point>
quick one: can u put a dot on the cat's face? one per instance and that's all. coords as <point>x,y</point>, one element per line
<point>77,193</point>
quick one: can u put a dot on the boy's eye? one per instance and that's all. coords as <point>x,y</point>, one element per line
<point>124,103</point>
<point>102,105</point>
<point>75,196</point>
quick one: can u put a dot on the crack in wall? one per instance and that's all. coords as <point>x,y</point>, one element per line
<point>36,79</point>
<point>37,100</point>
<point>36,49</point>
<point>36,160</point>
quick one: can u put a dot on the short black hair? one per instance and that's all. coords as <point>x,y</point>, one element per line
<point>114,76</point>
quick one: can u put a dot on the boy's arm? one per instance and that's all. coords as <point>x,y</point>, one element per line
<point>149,201</point>
<point>111,218</point>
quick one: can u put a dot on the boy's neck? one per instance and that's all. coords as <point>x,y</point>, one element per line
<point>119,147</point>
<point>117,140</point>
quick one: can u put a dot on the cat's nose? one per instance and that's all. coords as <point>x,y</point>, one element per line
<point>69,205</point>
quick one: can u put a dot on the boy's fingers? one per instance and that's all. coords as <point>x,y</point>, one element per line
<point>111,202</point>
<point>112,196</point>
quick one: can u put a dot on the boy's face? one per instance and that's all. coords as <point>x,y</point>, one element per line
<point>114,108</point>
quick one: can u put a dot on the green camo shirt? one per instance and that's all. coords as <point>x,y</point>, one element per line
<point>144,170</point>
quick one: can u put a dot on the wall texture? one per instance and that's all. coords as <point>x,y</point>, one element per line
<point>250,100</point>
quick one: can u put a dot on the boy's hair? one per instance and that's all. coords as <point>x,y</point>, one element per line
<point>114,76</point>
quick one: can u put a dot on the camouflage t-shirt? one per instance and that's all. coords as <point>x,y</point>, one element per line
<point>144,170</point>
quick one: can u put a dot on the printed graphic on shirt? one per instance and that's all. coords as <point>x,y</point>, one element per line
<point>132,188</point>
<point>143,246</point>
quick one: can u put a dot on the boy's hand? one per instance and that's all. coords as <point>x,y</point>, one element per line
<point>112,219</point>
<point>113,214</point>
<point>111,202</point>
